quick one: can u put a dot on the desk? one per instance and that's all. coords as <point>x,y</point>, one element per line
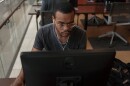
<point>82,2</point>
<point>6,81</point>
<point>89,9</point>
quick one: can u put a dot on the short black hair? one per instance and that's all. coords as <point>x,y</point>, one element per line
<point>64,7</point>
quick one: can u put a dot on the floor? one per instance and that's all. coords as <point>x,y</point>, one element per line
<point>26,46</point>
<point>92,31</point>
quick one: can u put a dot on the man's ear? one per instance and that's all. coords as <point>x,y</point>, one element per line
<point>53,19</point>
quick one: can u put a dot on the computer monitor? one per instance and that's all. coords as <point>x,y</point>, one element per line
<point>67,68</point>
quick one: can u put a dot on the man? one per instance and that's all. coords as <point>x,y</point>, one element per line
<point>62,34</point>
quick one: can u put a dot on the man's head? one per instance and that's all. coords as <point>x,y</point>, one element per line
<point>63,18</point>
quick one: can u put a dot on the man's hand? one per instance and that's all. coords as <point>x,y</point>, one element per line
<point>17,82</point>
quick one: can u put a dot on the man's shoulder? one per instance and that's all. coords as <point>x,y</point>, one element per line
<point>47,27</point>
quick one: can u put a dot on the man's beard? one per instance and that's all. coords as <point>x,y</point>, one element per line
<point>66,33</point>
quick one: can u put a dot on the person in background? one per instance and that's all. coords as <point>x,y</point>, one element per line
<point>74,3</point>
<point>62,35</point>
<point>47,8</point>
<point>48,5</point>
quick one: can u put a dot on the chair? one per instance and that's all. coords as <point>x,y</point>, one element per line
<point>119,15</point>
<point>47,9</point>
<point>95,19</point>
<point>46,12</point>
<point>99,6</point>
<point>46,17</point>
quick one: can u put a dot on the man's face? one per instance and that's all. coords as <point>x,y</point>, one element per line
<point>63,23</point>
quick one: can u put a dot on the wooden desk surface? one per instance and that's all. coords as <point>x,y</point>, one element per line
<point>91,9</point>
<point>81,9</point>
<point>82,1</point>
<point>6,81</point>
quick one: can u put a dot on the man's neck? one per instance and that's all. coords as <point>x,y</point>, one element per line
<point>62,39</point>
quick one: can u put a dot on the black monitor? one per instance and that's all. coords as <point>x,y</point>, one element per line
<point>67,68</point>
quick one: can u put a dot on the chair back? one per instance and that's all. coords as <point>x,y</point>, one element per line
<point>46,17</point>
<point>47,9</point>
<point>120,12</point>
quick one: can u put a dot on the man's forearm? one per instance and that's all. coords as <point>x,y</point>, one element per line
<point>19,81</point>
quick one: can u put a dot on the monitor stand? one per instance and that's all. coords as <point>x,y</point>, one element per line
<point>68,81</point>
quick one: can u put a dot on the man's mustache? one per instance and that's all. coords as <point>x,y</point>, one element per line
<point>68,31</point>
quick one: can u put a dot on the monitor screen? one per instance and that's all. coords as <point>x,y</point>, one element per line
<point>67,68</point>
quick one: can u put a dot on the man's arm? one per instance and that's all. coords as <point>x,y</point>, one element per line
<point>19,81</point>
<point>35,49</point>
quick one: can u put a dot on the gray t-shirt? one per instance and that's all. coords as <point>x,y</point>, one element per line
<point>46,39</point>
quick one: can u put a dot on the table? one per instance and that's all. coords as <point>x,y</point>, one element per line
<point>90,9</point>
<point>6,81</point>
